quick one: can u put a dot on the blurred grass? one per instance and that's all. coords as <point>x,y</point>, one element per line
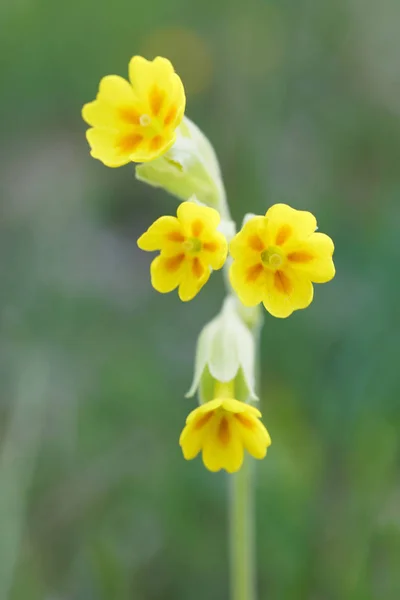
<point>302,103</point>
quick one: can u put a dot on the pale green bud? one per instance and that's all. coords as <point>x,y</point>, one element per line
<point>225,352</point>
<point>189,168</point>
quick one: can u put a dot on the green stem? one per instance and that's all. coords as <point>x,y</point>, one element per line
<point>242,565</point>
<point>242,514</point>
<point>241,492</point>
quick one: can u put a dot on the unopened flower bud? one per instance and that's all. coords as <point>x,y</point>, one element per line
<point>225,352</point>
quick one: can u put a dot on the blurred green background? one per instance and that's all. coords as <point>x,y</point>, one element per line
<point>302,103</point>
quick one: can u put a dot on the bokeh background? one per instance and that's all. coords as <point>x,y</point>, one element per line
<point>302,103</point>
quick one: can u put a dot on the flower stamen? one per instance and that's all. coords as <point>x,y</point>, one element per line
<point>144,120</point>
<point>192,245</point>
<point>272,257</point>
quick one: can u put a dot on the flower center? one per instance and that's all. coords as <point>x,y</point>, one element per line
<point>272,257</point>
<point>144,120</point>
<point>192,245</point>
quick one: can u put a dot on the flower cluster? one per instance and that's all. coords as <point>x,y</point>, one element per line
<point>274,259</point>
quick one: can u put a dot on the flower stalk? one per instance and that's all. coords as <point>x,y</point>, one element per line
<point>273,261</point>
<point>241,533</point>
<point>242,504</point>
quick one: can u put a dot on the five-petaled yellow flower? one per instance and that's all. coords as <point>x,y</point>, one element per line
<point>135,121</point>
<point>222,429</point>
<point>277,257</point>
<point>190,248</point>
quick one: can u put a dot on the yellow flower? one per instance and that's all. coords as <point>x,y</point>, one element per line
<point>135,121</point>
<point>190,247</point>
<point>222,429</point>
<point>276,259</point>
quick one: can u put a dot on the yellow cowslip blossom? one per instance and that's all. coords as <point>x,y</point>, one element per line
<point>190,247</point>
<point>278,257</point>
<point>222,429</point>
<point>135,121</point>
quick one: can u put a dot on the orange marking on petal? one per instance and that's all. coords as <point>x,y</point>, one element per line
<point>204,420</point>
<point>171,114</point>
<point>175,236</point>
<point>197,227</point>
<point>174,262</point>
<point>156,142</point>
<point>224,434</point>
<point>254,272</point>
<point>210,246</point>
<point>300,257</point>
<point>245,420</point>
<point>129,143</point>
<point>283,283</point>
<point>129,115</point>
<point>197,268</point>
<point>156,99</point>
<point>255,243</point>
<point>283,234</point>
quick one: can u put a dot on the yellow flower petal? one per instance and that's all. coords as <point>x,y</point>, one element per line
<point>104,146</point>
<point>166,272</point>
<point>192,442</point>
<point>144,73</point>
<point>204,409</point>
<point>251,240</point>
<point>164,233</point>
<point>195,277</point>
<point>285,222</point>
<point>101,114</point>
<point>287,291</point>
<point>153,148</point>
<point>248,279</point>
<point>193,435</point>
<point>215,249</point>
<point>234,406</point>
<point>223,448</point>
<point>210,455</point>
<point>313,258</point>
<point>189,213</point>
<point>161,93</point>
<point>253,434</point>
<point>115,90</point>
